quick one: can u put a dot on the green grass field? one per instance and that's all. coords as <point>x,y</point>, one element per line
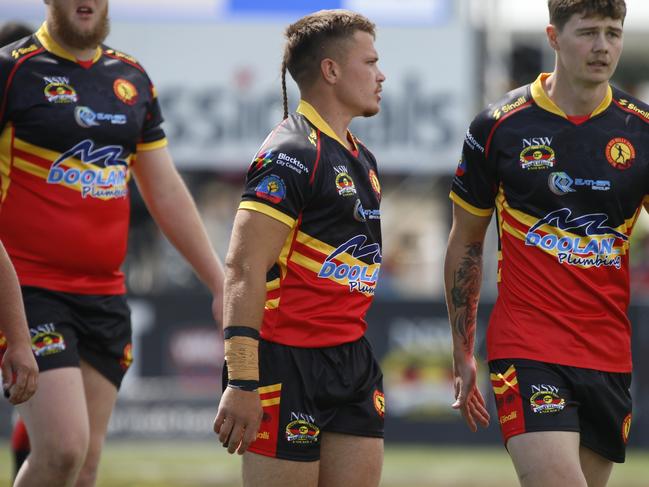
<point>202,464</point>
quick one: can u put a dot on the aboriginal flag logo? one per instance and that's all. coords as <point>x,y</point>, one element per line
<point>620,153</point>
<point>47,343</point>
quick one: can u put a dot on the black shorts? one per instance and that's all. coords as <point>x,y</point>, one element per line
<point>66,327</point>
<point>306,391</point>
<point>538,396</point>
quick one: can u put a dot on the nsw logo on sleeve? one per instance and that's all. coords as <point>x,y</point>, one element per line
<point>271,188</point>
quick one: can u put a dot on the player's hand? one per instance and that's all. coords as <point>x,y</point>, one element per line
<point>238,418</point>
<point>468,398</point>
<point>19,373</point>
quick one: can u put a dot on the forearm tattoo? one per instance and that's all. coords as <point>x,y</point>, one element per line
<point>464,295</point>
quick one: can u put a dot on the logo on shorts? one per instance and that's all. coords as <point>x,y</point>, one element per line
<point>302,429</point>
<point>47,343</point>
<point>620,153</point>
<point>379,402</point>
<point>127,357</point>
<point>125,91</point>
<point>545,399</point>
<point>506,418</point>
<point>626,428</point>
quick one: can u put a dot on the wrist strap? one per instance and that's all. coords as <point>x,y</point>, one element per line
<point>241,355</point>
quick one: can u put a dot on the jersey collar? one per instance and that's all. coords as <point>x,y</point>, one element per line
<point>48,42</point>
<point>543,100</point>
<point>312,115</point>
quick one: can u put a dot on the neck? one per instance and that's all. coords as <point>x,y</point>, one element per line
<point>573,97</point>
<point>79,54</point>
<point>331,112</point>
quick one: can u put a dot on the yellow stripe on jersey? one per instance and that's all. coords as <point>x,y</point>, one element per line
<point>474,210</point>
<point>326,249</point>
<point>272,303</point>
<point>270,402</point>
<point>272,285</point>
<point>269,211</point>
<point>270,388</point>
<point>149,146</point>
<point>5,160</point>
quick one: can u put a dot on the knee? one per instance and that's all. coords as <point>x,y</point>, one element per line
<point>64,460</point>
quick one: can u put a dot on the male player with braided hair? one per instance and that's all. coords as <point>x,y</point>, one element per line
<point>304,401</point>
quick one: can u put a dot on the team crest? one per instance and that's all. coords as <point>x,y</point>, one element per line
<point>620,153</point>
<point>271,188</point>
<point>374,181</point>
<point>379,402</point>
<point>47,343</point>
<point>537,157</point>
<point>544,402</point>
<point>59,90</point>
<point>125,91</point>
<point>127,357</point>
<point>626,428</point>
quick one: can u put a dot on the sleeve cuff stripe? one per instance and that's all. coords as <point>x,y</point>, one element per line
<point>470,208</point>
<point>269,211</point>
<point>156,144</point>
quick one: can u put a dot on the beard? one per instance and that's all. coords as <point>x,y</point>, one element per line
<point>74,37</point>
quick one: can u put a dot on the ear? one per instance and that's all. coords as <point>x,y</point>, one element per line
<point>330,71</point>
<point>552,33</point>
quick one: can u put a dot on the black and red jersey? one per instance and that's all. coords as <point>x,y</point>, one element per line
<point>319,290</point>
<point>567,194</point>
<point>69,132</point>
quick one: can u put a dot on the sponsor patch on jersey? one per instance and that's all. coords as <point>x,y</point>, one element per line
<point>59,90</point>
<point>345,184</point>
<point>374,181</point>
<point>86,117</point>
<point>545,399</point>
<point>461,167</point>
<point>561,183</point>
<point>262,160</point>
<point>362,215</point>
<point>379,402</point>
<point>271,188</point>
<point>537,157</point>
<point>108,182</point>
<point>313,138</point>
<point>620,153</point>
<point>292,163</point>
<point>473,144</point>
<point>125,91</point>
<point>359,277</point>
<point>626,428</point>
<point>21,51</point>
<point>127,357</point>
<point>508,107</point>
<point>597,248</point>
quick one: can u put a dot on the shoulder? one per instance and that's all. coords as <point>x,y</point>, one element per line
<point>488,120</point>
<point>293,138</point>
<point>627,103</point>
<point>18,51</point>
<point>124,59</point>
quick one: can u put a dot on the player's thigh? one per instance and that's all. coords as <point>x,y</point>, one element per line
<point>56,416</point>
<point>545,458</point>
<point>264,471</point>
<point>101,395</point>
<point>595,467</point>
<point>350,460</point>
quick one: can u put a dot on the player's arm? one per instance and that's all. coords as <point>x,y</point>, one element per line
<point>19,369</point>
<point>462,279</point>
<point>255,245</point>
<point>175,213</point>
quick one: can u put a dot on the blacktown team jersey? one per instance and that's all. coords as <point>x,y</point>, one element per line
<point>69,132</point>
<point>319,290</point>
<point>567,195</point>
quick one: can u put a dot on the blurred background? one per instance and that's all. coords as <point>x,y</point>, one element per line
<point>216,65</point>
